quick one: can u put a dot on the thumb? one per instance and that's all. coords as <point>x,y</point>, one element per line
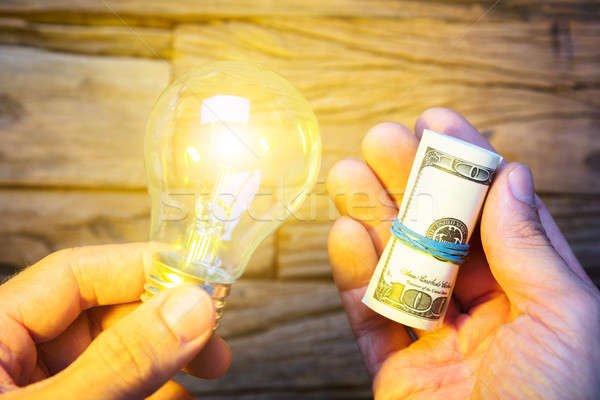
<point>521,257</point>
<point>137,355</point>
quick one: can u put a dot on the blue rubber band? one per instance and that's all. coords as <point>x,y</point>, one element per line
<point>454,253</point>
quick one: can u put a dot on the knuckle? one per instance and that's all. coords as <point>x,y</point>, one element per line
<point>127,357</point>
<point>526,234</point>
<point>70,257</point>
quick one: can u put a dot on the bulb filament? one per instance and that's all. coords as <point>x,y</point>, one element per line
<point>205,235</point>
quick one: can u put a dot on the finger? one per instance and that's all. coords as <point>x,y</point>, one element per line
<point>351,253</point>
<point>139,353</point>
<point>521,257</point>
<point>389,149</point>
<point>451,123</point>
<point>452,314</point>
<point>353,259</point>
<point>212,361</point>
<point>358,193</point>
<point>47,297</point>
<point>171,391</point>
<point>475,280</point>
<point>61,351</point>
<point>106,316</point>
<point>559,242</point>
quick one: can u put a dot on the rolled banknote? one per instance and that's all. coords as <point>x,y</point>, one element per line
<point>444,195</point>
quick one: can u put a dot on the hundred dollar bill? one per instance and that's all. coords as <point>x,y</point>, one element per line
<point>444,195</point>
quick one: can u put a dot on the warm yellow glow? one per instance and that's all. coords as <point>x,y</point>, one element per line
<point>172,279</point>
<point>263,143</point>
<point>225,108</point>
<point>227,114</point>
<point>303,138</point>
<point>229,143</point>
<point>202,246</point>
<point>193,153</point>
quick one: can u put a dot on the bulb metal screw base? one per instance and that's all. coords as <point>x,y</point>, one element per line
<point>163,276</point>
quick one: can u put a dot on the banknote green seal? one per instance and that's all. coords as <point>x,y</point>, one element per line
<point>448,230</point>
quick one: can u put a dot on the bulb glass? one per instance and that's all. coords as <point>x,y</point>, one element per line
<point>231,151</point>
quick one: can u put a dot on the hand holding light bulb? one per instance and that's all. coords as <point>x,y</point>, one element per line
<point>231,151</point>
<point>71,327</point>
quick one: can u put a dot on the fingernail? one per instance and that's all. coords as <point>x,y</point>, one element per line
<point>189,312</point>
<point>520,181</point>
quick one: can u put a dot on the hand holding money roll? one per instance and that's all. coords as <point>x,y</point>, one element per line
<point>522,319</point>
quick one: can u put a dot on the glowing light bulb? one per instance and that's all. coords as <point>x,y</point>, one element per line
<point>231,151</point>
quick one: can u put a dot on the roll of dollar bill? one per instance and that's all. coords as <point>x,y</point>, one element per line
<point>444,195</point>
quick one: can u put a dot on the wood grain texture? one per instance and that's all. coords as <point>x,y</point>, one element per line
<point>485,54</point>
<point>317,207</point>
<point>160,11</point>
<point>360,72</point>
<point>355,73</point>
<point>38,222</point>
<point>302,250</point>
<point>255,305</point>
<point>302,241</point>
<point>69,120</point>
<point>106,40</point>
<point>578,217</point>
<point>284,358</point>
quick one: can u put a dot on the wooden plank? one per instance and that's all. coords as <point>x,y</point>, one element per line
<point>255,305</point>
<point>38,222</point>
<point>317,206</point>
<point>302,241</point>
<point>70,120</point>
<point>355,73</point>
<point>562,161</point>
<point>302,246</point>
<point>492,53</point>
<point>302,250</point>
<point>290,337</point>
<point>579,219</point>
<point>359,72</point>
<point>158,11</point>
<point>161,12</point>
<point>305,355</point>
<point>109,40</point>
<point>568,8</point>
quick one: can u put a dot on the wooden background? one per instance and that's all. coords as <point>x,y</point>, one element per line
<point>78,78</point>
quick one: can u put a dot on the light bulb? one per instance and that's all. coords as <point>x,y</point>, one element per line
<point>231,151</point>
